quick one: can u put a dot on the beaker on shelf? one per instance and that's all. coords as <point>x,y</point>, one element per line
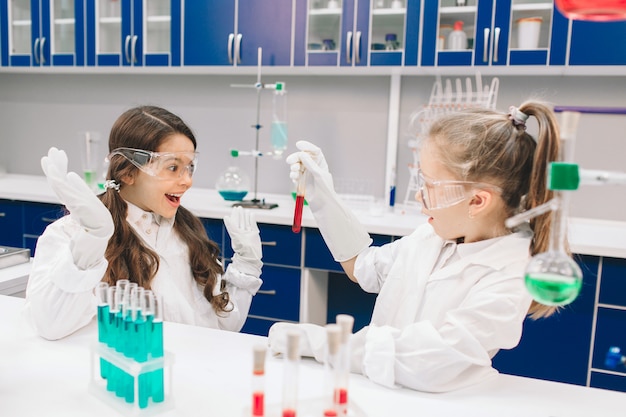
<point>233,184</point>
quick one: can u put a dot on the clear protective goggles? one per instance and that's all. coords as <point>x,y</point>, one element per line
<point>446,193</point>
<point>161,165</point>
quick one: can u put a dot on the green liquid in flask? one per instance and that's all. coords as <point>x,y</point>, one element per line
<point>553,289</point>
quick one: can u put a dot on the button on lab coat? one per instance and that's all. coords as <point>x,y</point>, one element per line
<point>60,297</point>
<point>437,329</point>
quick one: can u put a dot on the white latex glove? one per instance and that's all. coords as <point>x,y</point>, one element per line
<point>83,206</point>
<point>312,339</point>
<point>341,230</point>
<point>245,241</point>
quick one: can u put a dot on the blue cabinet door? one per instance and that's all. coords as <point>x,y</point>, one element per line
<point>133,33</point>
<point>598,43</point>
<point>209,32</point>
<point>267,25</point>
<point>355,33</point>
<point>11,223</point>
<point>229,33</point>
<point>492,41</point>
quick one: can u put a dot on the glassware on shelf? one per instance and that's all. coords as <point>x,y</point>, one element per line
<point>233,184</point>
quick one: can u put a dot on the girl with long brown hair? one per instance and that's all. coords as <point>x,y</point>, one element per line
<point>138,230</point>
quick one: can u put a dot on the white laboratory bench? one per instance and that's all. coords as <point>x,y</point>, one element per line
<point>13,279</point>
<point>586,236</point>
<point>211,376</point>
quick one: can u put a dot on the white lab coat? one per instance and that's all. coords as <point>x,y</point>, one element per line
<point>60,297</point>
<point>443,310</point>
<point>438,322</point>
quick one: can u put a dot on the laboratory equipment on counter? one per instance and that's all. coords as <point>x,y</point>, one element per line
<point>258,380</point>
<point>297,214</point>
<point>278,131</point>
<point>129,353</point>
<point>553,277</point>
<point>290,375</point>
<point>233,184</point>
<point>13,256</point>
<point>594,10</point>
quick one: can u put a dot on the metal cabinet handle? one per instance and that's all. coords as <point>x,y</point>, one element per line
<point>48,220</point>
<point>266,292</point>
<point>349,47</point>
<point>127,48</point>
<point>42,57</point>
<point>132,49</point>
<point>35,47</point>
<point>270,243</point>
<point>3,214</point>
<point>496,42</point>
<point>485,44</point>
<point>238,48</point>
<point>231,40</point>
<point>357,47</point>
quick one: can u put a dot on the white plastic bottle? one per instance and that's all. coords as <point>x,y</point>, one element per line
<point>457,39</point>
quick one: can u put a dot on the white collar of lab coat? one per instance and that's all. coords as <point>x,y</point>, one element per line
<point>136,215</point>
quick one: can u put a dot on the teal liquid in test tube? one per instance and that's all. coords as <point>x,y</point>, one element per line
<point>156,350</point>
<point>278,129</point>
<point>102,293</point>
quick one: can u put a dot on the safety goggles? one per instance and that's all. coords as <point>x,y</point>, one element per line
<point>446,193</point>
<point>161,165</point>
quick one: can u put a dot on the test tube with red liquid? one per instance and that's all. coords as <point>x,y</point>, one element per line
<point>346,323</point>
<point>290,375</point>
<point>258,381</point>
<point>332,371</point>
<point>297,214</point>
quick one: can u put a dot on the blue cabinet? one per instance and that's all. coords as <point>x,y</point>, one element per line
<point>492,34</point>
<point>333,33</point>
<point>40,33</point>
<point>133,33</point>
<point>220,32</point>
<point>610,325</point>
<point>37,216</point>
<point>598,43</point>
<point>11,221</point>
<point>23,222</point>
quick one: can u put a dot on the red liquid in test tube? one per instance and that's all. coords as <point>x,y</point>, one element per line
<point>258,381</point>
<point>297,214</point>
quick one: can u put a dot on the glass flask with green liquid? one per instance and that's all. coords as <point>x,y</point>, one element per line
<point>553,277</point>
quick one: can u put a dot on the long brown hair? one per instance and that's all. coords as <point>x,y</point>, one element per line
<point>488,146</point>
<point>146,127</point>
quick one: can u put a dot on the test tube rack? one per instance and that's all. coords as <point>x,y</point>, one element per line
<point>134,391</point>
<point>444,100</point>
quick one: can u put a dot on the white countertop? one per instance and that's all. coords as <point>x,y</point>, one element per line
<point>211,376</point>
<point>586,236</point>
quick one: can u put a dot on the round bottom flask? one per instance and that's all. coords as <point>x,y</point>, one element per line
<point>553,278</point>
<point>233,184</point>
